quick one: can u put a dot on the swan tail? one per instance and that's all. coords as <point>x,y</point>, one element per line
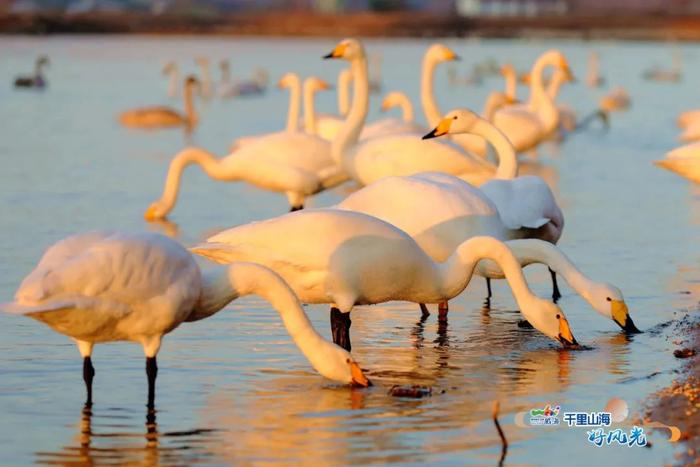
<point>20,309</point>
<point>218,252</point>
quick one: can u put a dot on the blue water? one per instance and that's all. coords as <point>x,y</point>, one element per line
<point>234,388</point>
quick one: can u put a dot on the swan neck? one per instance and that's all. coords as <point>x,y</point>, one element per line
<point>344,79</point>
<point>555,85</point>
<point>190,111</point>
<point>507,160</point>
<point>309,110</point>
<point>407,109</point>
<point>427,97</point>
<point>349,133</point>
<point>294,104</point>
<point>511,85</point>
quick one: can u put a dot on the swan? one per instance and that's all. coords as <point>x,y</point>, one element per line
<point>691,133</point>
<point>688,117</point>
<point>524,203</point>
<point>511,80</point>
<point>312,85</point>
<point>348,258</point>
<point>388,126</point>
<point>173,72</point>
<point>206,90</point>
<point>604,298</point>
<point>37,80</point>
<point>451,211</point>
<point>402,154</point>
<point>400,100</point>
<point>567,115</point>
<point>593,78</point>
<point>617,99</point>
<point>164,117</point>
<point>289,81</point>
<point>327,126</point>
<point>100,287</point>
<point>684,161</point>
<point>255,86</point>
<point>527,125</point>
<point>671,75</point>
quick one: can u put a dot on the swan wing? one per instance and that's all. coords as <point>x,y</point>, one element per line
<point>524,202</point>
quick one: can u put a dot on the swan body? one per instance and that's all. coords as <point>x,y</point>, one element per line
<point>402,154</point>
<point>528,125</point>
<point>37,80</point>
<point>164,117</point>
<point>684,161</point>
<point>109,286</point>
<point>348,258</point>
<point>688,117</point>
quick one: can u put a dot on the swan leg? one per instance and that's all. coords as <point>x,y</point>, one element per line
<point>88,375</point>
<point>443,308</point>
<point>151,373</point>
<point>424,312</point>
<point>488,288</point>
<point>340,328</point>
<point>555,287</point>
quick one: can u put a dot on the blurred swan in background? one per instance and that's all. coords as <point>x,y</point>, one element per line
<point>172,71</point>
<point>616,100</point>
<point>164,117</point>
<point>400,154</point>
<point>109,286</point>
<point>593,78</point>
<point>37,80</point>
<point>312,85</point>
<point>230,87</point>
<point>684,161</point>
<point>347,258</point>
<point>327,126</point>
<point>672,75</point>
<point>206,90</point>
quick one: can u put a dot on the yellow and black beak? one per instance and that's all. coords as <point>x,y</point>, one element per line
<point>566,338</point>
<point>442,129</point>
<point>621,316</point>
<point>337,52</point>
<point>358,378</point>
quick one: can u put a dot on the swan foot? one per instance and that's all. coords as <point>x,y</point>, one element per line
<point>424,312</point>
<point>151,373</point>
<point>88,375</point>
<point>556,295</point>
<point>296,208</point>
<point>443,308</point>
<point>340,328</point>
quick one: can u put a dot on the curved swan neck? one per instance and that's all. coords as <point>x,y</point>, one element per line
<point>555,85</point>
<point>294,103</point>
<point>190,111</point>
<point>507,160</point>
<point>349,133</point>
<point>530,251</point>
<point>459,267</point>
<point>344,79</point>
<point>540,102</point>
<point>511,84</point>
<point>427,98</point>
<point>209,163</point>
<point>406,108</point>
<point>226,283</point>
<point>309,108</point>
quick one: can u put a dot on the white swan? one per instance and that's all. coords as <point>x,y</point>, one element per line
<point>400,100</point>
<point>527,125</point>
<point>171,70</point>
<point>402,154</point>
<point>390,125</point>
<point>289,81</point>
<point>451,211</point>
<point>567,115</point>
<point>312,85</point>
<point>604,298</point>
<point>109,286</point>
<point>207,88</point>
<point>347,258</point>
<point>327,126</point>
<point>684,161</point>
<point>593,78</point>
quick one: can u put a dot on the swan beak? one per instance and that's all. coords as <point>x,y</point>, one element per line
<point>442,129</point>
<point>386,105</point>
<point>324,86</point>
<point>338,52</point>
<point>451,56</point>
<point>621,316</point>
<point>358,378</point>
<point>511,100</point>
<point>525,79</point>
<point>150,214</point>
<point>565,336</point>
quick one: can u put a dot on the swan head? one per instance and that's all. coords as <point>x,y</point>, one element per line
<point>155,211</point>
<point>347,49</point>
<point>288,80</point>
<point>441,53</point>
<point>607,300</point>
<point>337,364</point>
<point>169,67</point>
<point>202,61</point>
<point>558,60</point>
<point>507,70</point>
<point>455,122</point>
<point>43,60</point>
<point>317,84</point>
<point>549,319</point>
<point>191,82</point>
<point>391,100</point>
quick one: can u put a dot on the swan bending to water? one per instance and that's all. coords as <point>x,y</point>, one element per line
<point>165,117</point>
<point>109,286</point>
<point>36,80</point>
<point>451,211</point>
<point>399,154</point>
<point>348,258</point>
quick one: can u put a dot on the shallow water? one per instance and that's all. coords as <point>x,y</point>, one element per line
<point>234,387</point>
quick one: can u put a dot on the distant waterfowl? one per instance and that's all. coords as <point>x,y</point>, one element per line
<point>451,211</point>
<point>684,161</point>
<point>37,80</point>
<point>172,71</point>
<point>229,87</point>
<point>593,78</point>
<point>164,117</point>
<point>616,100</point>
<point>108,286</point>
<point>206,90</point>
<point>529,124</point>
<point>399,154</point>
<point>672,75</point>
<point>347,258</point>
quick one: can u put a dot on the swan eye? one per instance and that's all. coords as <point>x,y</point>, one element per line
<point>558,316</point>
<point>454,118</point>
<point>347,360</point>
<point>608,299</point>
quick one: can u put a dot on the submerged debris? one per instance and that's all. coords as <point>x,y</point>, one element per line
<point>414,391</point>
